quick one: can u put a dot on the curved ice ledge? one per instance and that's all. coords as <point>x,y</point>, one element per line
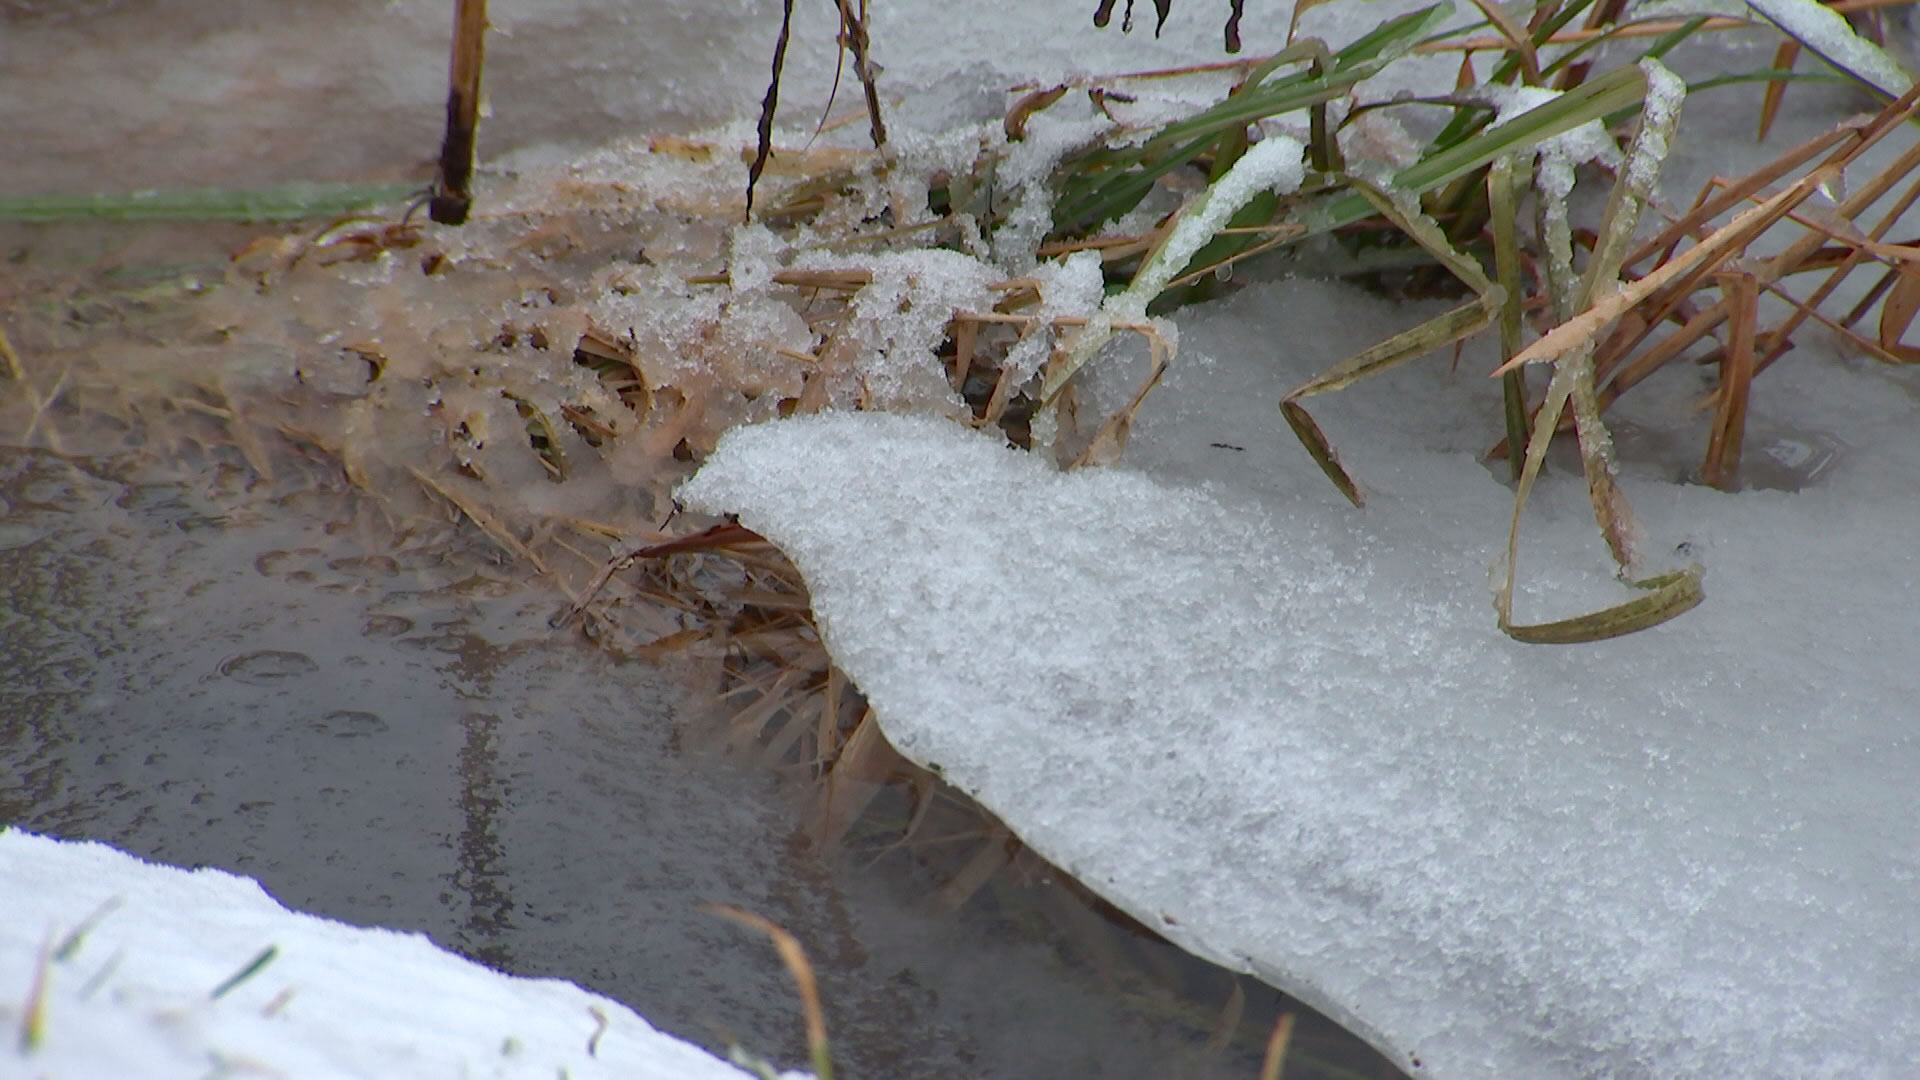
<point>1298,745</point>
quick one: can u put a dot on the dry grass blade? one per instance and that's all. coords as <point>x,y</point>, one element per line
<point>1503,203</point>
<point>1276,1055</point>
<point>854,780</point>
<point>992,857</point>
<point>801,969</point>
<point>15,370</point>
<point>1015,124</point>
<point>1516,40</point>
<point>1704,257</point>
<point>1631,191</point>
<point>1897,311</point>
<point>1231,1013</point>
<point>1301,7</point>
<point>726,535</point>
<point>1599,294</point>
<point>476,511</point>
<point>18,373</point>
<point>1111,438</point>
<point>1668,595</point>
<point>1437,333</point>
<point>33,1017</point>
<point>853,34</point>
<point>1776,92</point>
<point>1722,463</point>
<point>746,727</point>
<point>1108,442</point>
<point>39,418</point>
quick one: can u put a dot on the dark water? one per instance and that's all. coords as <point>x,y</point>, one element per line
<point>385,731</point>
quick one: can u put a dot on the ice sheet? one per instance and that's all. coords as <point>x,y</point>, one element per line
<point>1289,736</point>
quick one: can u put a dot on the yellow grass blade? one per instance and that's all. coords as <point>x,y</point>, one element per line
<point>1729,238</point>
<point>795,958</point>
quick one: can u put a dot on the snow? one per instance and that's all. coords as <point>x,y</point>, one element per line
<point>1276,163</point>
<point>1809,22</point>
<point>141,979</point>
<point>1588,142</point>
<point>1288,735</point>
<point>1826,32</point>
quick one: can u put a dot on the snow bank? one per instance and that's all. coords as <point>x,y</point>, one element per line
<point>157,972</point>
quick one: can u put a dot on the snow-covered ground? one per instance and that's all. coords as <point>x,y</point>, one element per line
<point>114,967</point>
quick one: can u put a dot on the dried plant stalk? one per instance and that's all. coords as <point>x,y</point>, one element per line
<point>1722,464</point>
<point>795,958</point>
<point>451,199</point>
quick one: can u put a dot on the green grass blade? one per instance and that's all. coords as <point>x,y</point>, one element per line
<point>1594,100</point>
<point>283,202</point>
<point>1106,183</point>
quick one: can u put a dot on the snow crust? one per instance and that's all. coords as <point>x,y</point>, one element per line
<point>1289,736</point>
<point>137,951</point>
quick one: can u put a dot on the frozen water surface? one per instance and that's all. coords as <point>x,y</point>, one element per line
<point>390,734</point>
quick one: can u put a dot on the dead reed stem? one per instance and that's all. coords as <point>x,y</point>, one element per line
<point>452,198</point>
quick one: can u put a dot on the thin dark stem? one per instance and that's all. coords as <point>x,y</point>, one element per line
<point>768,104</point>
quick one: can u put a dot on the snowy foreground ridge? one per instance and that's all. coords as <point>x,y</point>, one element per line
<point>1293,741</point>
<point>151,974</point>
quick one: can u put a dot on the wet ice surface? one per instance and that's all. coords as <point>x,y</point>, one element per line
<point>399,740</point>
<point>223,92</point>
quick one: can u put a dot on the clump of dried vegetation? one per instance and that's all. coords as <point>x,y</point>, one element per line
<point>519,373</point>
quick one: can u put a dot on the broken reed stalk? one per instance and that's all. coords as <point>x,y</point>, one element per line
<point>452,199</point>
